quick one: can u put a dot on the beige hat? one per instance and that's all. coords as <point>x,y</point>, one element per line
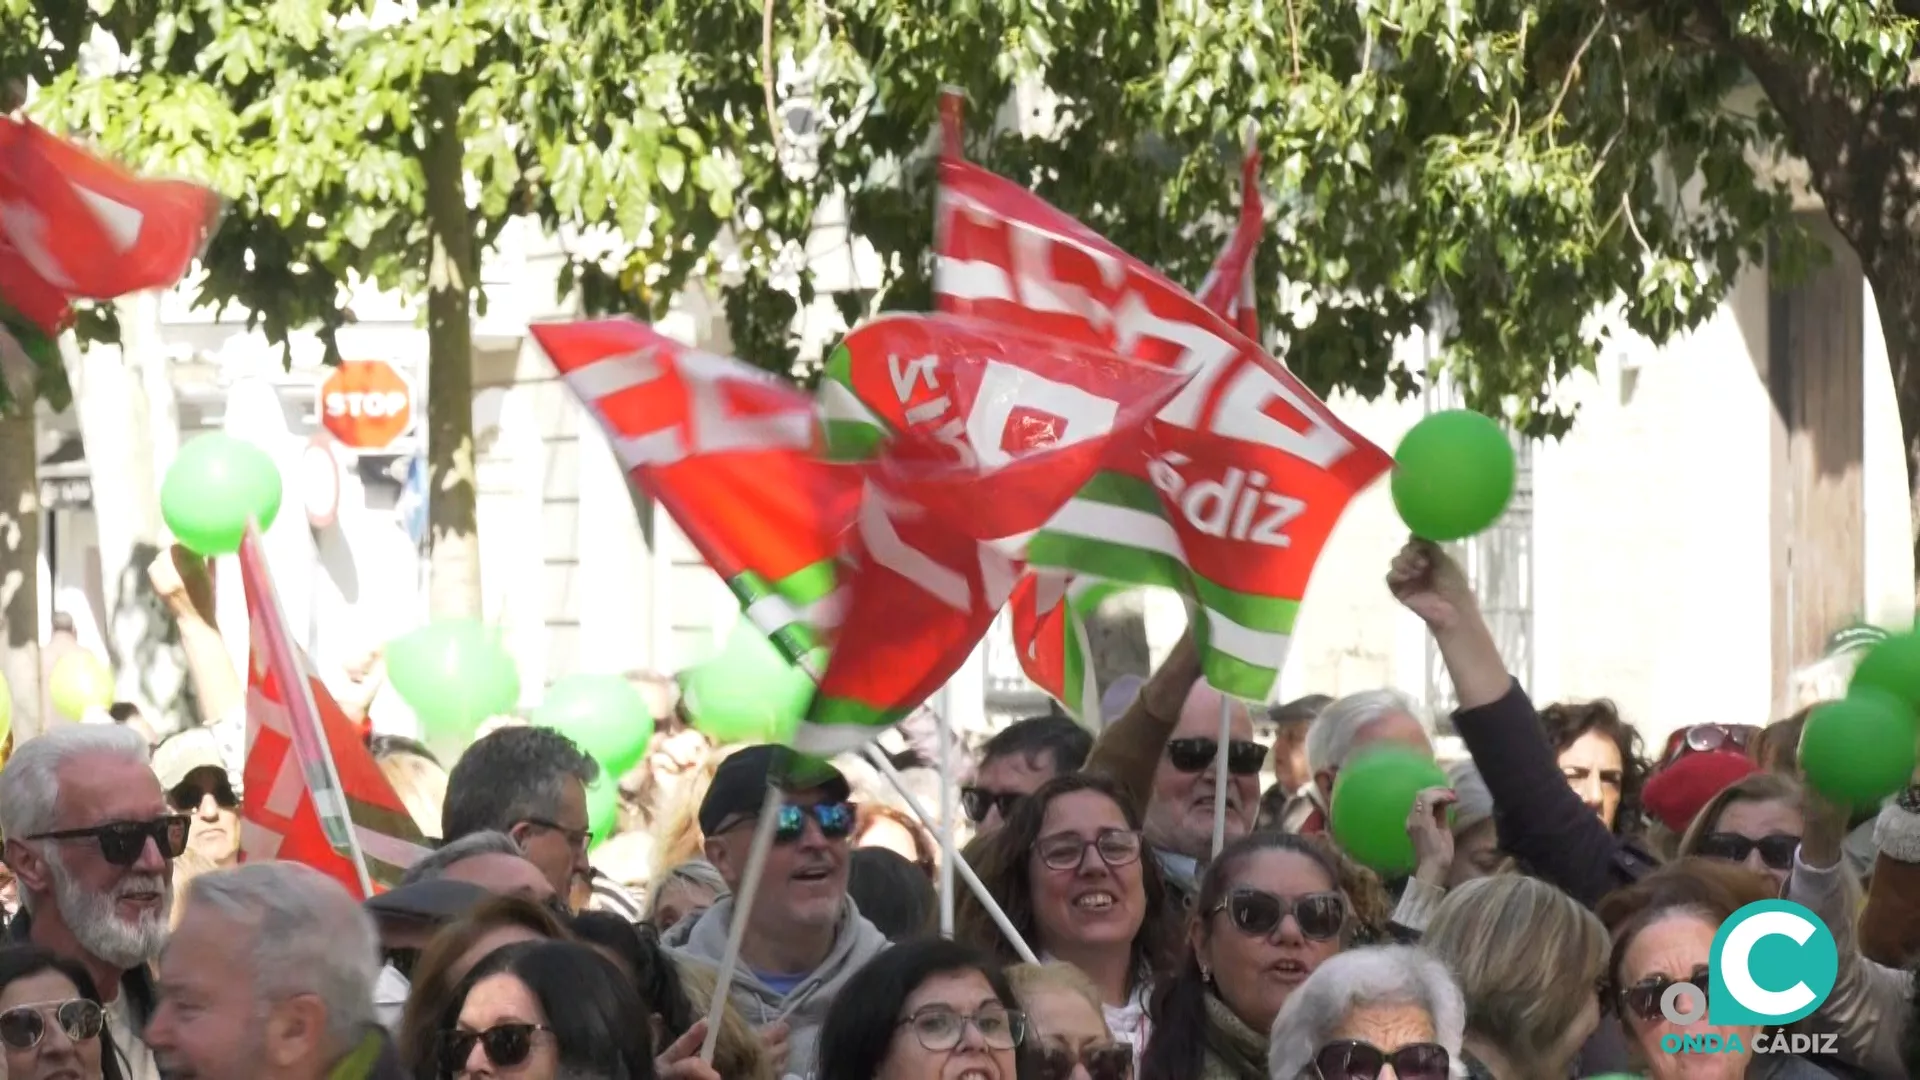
<point>179,755</point>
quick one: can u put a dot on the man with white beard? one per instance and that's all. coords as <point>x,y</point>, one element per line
<point>91,841</point>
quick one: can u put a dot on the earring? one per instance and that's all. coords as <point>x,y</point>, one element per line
<point>1206,976</point>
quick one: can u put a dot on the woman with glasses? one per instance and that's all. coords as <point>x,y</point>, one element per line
<point>1268,913</point>
<point>52,1024</point>
<point>1663,930</point>
<point>543,1011</point>
<point>926,1010</point>
<point>1757,822</point>
<point>444,964</point>
<point>1067,1036</point>
<point>1067,870</point>
<point>1388,1013</point>
<point>1528,960</point>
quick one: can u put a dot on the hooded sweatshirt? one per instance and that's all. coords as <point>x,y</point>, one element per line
<point>804,1007</point>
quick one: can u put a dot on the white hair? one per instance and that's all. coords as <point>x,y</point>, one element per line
<point>310,936</point>
<point>30,784</point>
<point>1386,975</point>
<point>434,865</point>
<point>1330,738</point>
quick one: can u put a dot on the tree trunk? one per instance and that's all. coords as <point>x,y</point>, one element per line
<point>20,565</point>
<point>453,566</point>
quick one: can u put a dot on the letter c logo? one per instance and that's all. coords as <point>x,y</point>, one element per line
<point>1773,963</point>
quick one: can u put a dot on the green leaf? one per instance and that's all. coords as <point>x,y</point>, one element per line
<point>671,168</point>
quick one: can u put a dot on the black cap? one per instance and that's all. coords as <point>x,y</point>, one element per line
<point>439,900</point>
<point>740,783</point>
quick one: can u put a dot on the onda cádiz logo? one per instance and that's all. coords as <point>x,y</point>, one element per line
<point>1773,963</point>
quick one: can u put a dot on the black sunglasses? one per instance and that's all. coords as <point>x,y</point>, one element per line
<point>1244,758</point>
<point>1642,999</point>
<point>978,801</point>
<point>1053,1061</point>
<point>506,1045</point>
<point>24,1026</point>
<point>1350,1059</point>
<point>121,842</point>
<point>1258,913</point>
<point>1776,850</point>
<point>187,797</point>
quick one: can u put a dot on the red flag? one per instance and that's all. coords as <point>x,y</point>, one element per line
<point>731,453</point>
<point>314,794</point>
<point>73,226</point>
<point>1237,483</point>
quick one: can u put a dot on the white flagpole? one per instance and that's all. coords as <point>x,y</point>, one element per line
<point>742,907</point>
<point>1220,777</point>
<point>948,856</point>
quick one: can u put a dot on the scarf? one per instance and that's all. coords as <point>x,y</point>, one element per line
<point>1234,1050</point>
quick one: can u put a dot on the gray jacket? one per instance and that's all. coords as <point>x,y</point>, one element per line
<point>855,942</point>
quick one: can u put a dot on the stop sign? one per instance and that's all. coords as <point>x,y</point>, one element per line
<point>366,404</point>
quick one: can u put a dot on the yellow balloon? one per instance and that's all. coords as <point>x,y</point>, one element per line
<point>6,707</point>
<point>80,682</point>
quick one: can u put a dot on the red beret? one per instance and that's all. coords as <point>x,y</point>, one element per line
<point>1677,792</point>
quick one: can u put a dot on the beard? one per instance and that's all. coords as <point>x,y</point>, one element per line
<point>98,927</point>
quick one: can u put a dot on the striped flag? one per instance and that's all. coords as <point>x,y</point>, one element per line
<point>975,435</point>
<point>1230,492</point>
<point>731,453</point>
<point>1050,609</point>
<point>314,793</point>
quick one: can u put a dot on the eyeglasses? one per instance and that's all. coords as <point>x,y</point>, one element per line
<point>1776,850</point>
<point>578,839</point>
<point>188,797</point>
<point>1703,738</point>
<point>1642,999</point>
<point>1350,1059</point>
<point>506,1045</point>
<point>939,1028</point>
<point>1052,1061</point>
<point>1258,913</point>
<point>1066,851</point>
<point>836,821</point>
<point>978,802</point>
<point>121,842</point>
<point>23,1026</point>
<point>1194,755</point>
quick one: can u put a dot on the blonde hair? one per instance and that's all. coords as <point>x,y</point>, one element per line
<point>739,1053</point>
<point>677,835</point>
<point>1028,980</point>
<point>420,783</point>
<point>1758,787</point>
<point>1527,957</point>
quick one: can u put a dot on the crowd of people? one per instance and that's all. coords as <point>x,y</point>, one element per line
<point>1565,881</point>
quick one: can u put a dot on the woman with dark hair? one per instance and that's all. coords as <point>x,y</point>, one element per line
<point>1067,870</point>
<point>453,952</point>
<point>891,893</point>
<point>1599,754</point>
<point>1269,912</point>
<point>543,1010</point>
<point>636,949</point>
<point>956,1017</point>
<point>52,1022</point>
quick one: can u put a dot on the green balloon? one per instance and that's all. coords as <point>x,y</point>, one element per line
<point>1859,750</point>
<point>603,806</point>
<point>1893,667</point>
<point>213,488</point>
<point>604,715</point>
<point>749,693</point>
<point>1453,475</point>
<point>78,682</point>
<point>454,675</point>
<point>1371,800</point>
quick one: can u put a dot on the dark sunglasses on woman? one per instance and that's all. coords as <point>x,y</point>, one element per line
<point>506,1045</point>
<point>1350,1059</point>
<point>1706,738</point>
<point>23,1026</point>
<point>1642,999</point>
<point>1056,1062</point>
<point>1258,913</point>
<point>1776,849</point>
<point>1244,758</point>
<point>121,842</point>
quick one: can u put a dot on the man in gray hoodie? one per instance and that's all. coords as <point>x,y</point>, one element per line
<point>804,937</point>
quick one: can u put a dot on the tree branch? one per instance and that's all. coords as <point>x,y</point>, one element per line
<point>766,76</point>
<point>1573,69</point>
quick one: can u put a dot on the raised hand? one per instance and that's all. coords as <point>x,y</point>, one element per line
<point>181,580</point>
<point>1431,585</point>
<point>1432,838</point>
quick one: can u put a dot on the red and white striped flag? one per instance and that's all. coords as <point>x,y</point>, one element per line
<point>314,793</point>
